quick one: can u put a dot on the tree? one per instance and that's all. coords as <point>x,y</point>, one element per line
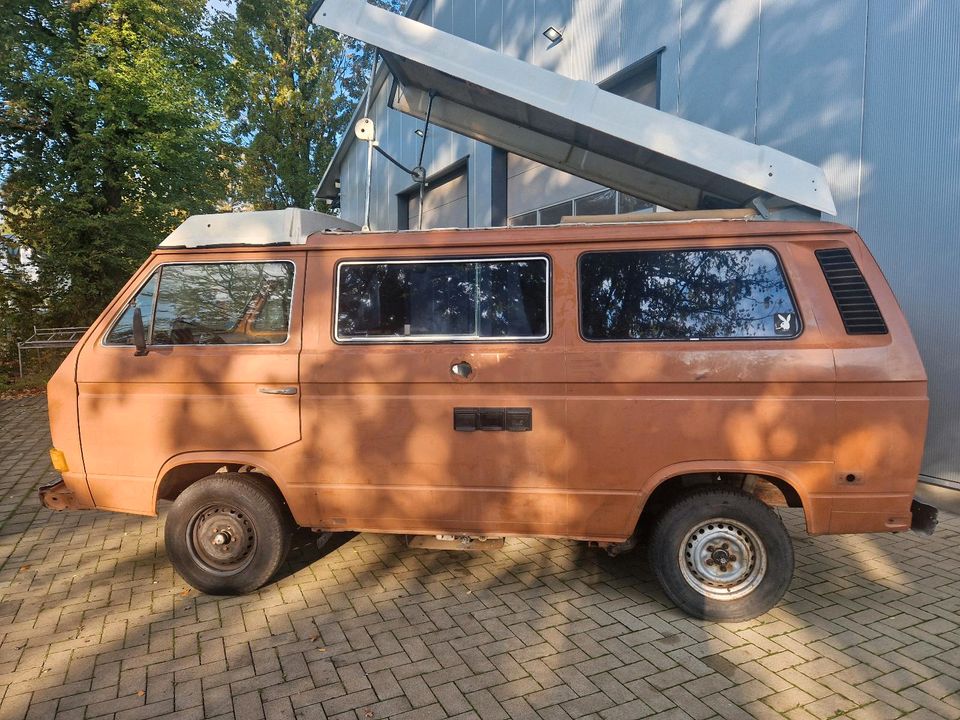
<point>292,89</point>
<point>110,135</point>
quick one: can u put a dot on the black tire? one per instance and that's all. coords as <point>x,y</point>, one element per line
<point>254,528</point>
<point>713,526</point>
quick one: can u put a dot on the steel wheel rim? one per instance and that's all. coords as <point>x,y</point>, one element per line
<point>722,559</point>
<point>222,539</point>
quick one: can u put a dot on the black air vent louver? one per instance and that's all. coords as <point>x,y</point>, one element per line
<point>856,303</point>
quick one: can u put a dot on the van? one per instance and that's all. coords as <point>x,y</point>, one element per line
<point>671,382</point>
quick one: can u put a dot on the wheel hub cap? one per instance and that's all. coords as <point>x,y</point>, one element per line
<point>723,559</point>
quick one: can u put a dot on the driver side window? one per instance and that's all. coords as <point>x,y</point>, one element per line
<point>122,331</point>
<point>212,304</point>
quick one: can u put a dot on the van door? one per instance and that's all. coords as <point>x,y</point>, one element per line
<point>433,395</point>
<point>220,373</point>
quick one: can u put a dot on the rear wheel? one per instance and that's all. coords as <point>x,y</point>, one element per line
<point>227,534</point>
<point>721,554</point>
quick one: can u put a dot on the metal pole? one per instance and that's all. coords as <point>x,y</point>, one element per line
<point>366,113</point>
<point>420,208</point>
<point>423,146</point>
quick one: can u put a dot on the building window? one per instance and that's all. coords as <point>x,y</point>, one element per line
<point>685,295</point>
<point>604,202</point>
<point>493,299</point>
<point>639,81</point>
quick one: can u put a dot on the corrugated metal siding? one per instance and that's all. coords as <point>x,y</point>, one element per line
<point>644,28</point>
<point>489,27</point>
<point>518,23</point>
<point>811,88</point>
<point>531,186</point>
<point>910,197</point>
<point>866,88</point>
<point>718,64</point>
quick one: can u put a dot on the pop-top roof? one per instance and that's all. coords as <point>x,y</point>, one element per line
<point>573,125</point>
<point>261,227</point>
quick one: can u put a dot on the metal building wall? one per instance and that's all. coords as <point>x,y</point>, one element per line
<point>910,192</point>
<point>868,89</point>
<point>396,133</point>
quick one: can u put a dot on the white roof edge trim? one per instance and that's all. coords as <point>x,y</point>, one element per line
<point>567,123</point>
<point>260,227</point>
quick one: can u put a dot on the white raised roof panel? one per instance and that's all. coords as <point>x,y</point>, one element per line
<point>573,125</point>
<point>260,227</point>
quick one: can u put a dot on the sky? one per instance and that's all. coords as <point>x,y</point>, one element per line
<point>220,5</point>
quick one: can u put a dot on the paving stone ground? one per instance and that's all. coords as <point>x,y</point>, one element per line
<point>94,623</point>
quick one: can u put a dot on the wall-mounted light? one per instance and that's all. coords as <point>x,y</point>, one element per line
<point>552,34</point>
<point>418,132</point>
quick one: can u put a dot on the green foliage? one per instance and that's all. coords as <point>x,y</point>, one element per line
<point>118,118</point>
<point>291,90</point>
<point>110,135</point>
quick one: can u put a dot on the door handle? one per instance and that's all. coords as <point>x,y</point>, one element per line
<point>278,391</point>
<point>462,369</point>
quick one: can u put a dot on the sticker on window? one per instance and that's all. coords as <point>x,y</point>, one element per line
<point>783,324</point>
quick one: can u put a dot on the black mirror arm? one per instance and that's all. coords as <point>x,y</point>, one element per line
<point>139,335</point>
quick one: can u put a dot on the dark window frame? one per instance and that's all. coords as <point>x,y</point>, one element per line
<point>801,325</point>
<point>158,272</point>
<point>655,58</point>
<point>401,340</point>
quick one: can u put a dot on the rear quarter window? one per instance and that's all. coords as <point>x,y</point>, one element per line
<point>738,293</point>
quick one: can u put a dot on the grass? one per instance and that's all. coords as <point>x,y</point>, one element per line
<point>36,373</point>
<point>30,385</point>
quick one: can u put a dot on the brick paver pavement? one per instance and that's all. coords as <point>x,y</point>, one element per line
<point>94,623</point>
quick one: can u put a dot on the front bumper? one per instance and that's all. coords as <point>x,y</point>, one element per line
<point>923,517</point>
<point>57,496</point>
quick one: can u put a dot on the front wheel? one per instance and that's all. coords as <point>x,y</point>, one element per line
<point>227,534</point>
<point>721,554</point>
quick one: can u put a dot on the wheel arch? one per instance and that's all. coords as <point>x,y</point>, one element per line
<point>774,485</point>
<point>181,471</point>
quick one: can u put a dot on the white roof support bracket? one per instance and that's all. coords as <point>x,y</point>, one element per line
<point>573,125</point>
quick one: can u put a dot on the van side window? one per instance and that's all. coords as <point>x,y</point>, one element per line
<point>223,303</point>
<point>122,331</point>
<point>437,300</point>
<point>685,295</point>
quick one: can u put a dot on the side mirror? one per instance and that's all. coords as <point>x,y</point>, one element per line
<point>139,335</point>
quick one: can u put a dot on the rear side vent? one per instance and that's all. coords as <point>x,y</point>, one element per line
<point>856,304</point>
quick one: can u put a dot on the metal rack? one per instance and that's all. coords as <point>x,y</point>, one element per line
<point>48,338</point>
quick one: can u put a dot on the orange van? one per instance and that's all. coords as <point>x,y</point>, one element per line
<point>600,382</point>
